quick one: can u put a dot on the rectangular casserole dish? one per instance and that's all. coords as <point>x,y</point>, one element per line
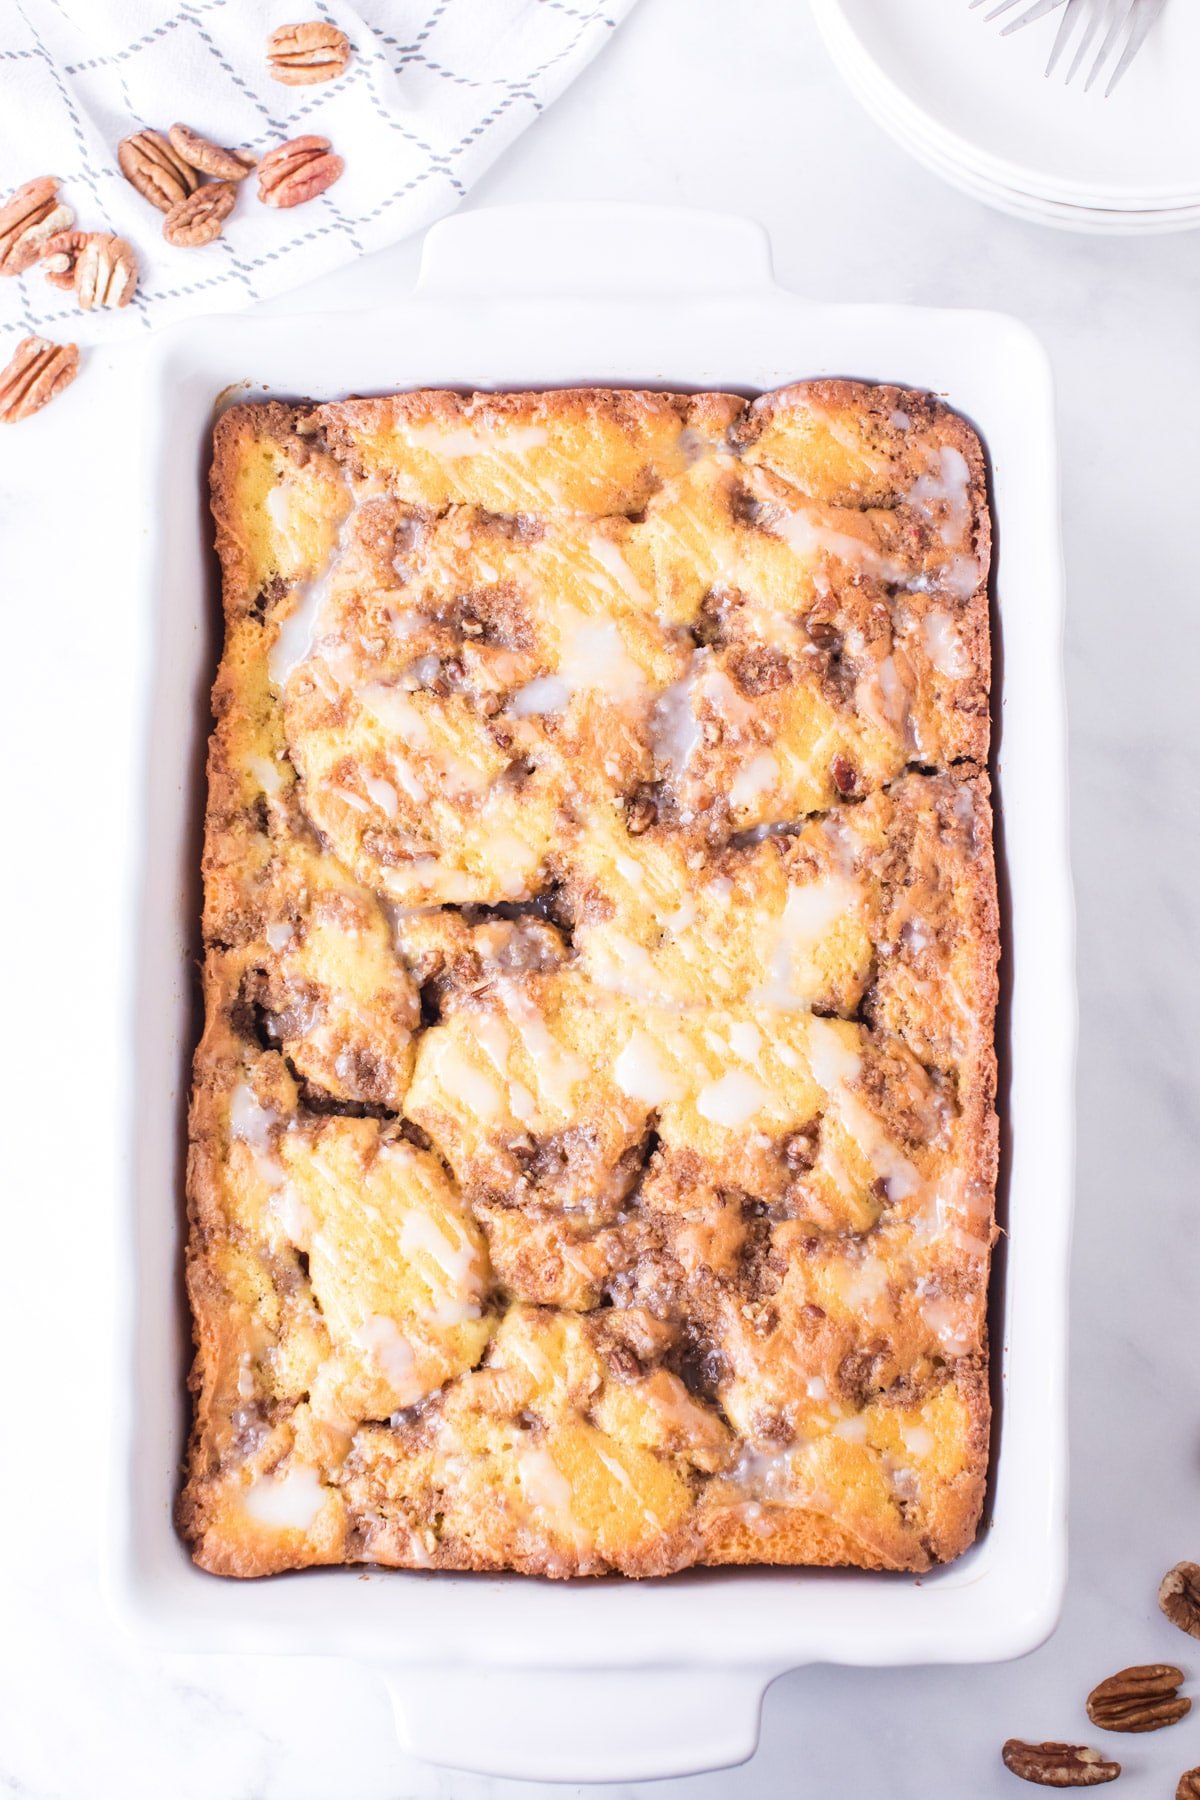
<point>605,1680</point>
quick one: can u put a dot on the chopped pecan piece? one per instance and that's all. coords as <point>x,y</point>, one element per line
<point>202,154</point>
<point>822,629</point>
<point>1058,1765</point>
<point>38,371</point>
<point>148,163</point>
<point>299,55</point>
<point>297,171</point>
<point>1189,1785</point>
<point>799,1149</point>
<point>1143,1698</point>
<point>845,776</point>
<point>641,810</point>
<point>28,220</point>
<point>198,219</point>
<point>1179,1597</point>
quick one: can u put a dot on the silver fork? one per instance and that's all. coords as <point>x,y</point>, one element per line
<point>1122,27</point>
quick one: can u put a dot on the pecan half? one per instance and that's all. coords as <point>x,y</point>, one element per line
<point>199,218</point>
<point>149,164</point>
<point>27,220</point>
<point>101,267</point>
<point>1139,1699</point>
<point>1058,1765</point>
<point>297,171</point>
<point>1189,1785</point>
<point>1179,1597</point>
<point>38,371</point>
<point>298,55</point>
<point>210,159</point>
<point>105,270</point>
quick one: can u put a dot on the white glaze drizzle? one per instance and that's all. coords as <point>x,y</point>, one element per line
<point>297,635</point>
<point>392,708</point>
<point>942,493</point>
<point>732,1100</point>
<point>641,1074</point>
<point>267,773</point>
<point>917,1439</point>
<point>558,1070</point>
<point>611,559</point>
<point>291,1215</point>
<point>592,655</point>
<point>811,910</point>
<point>675,731</point>
<point>943,645</point>
<point>383,1341</point>
<point>383,794</point>
<point>547,1492</point>
<point>544,694</point>
<point>287,1502</point>
<point>465,1082</point>
<point>758,776</point>
<point>457,1261</point>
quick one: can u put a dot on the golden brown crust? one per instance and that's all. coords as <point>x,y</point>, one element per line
<point>592,1137</point>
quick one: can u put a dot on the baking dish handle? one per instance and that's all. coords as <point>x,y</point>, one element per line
<point>578,1724</point>
<point>601,249</point>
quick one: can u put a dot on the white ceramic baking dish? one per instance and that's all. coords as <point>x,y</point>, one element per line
<point>602,1680</point>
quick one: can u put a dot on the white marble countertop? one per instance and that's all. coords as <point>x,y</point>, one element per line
<point>695,102</point>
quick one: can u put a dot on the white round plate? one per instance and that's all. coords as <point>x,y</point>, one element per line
<point>985,100</point>
<point>1093,220</point>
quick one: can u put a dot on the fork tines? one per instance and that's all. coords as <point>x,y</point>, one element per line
<point>1119,26</point>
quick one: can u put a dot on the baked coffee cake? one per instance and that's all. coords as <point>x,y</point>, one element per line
<point>592,1132</point>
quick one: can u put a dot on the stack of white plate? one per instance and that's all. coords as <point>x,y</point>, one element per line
<point>978,109</point>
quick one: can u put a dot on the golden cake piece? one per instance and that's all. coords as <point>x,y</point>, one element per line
<point>593,1142</point>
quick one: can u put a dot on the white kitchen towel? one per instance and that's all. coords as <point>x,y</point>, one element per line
<point>434,92</point>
